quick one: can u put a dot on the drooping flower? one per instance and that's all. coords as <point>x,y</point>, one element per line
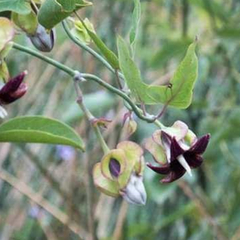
<point>177,150</point>
<point>14,89</point>
<point>42,39</point>
<point>120,173</point>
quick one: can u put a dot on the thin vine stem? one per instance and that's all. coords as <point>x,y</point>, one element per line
<point>85,47</point>
<point>71,72</point>
<point>134,108</point>
<point>90,117</point>
<point>49,60</point>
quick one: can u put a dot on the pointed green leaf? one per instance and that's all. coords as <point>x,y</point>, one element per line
<point>38,129</point>
<point>178,94</point>
<point>131,73</point>
<point>182,83</point>
<point>18,6</point>
<point>135,21</point>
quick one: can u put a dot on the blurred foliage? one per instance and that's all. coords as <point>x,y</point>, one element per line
<point>205,206</point>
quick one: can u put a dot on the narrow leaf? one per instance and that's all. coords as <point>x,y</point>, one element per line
<point>107,53</point>
<point>38,129</point>
<point>131,73</point>
<point>135,21</point>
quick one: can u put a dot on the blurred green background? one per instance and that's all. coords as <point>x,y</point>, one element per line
<point>205,206</point>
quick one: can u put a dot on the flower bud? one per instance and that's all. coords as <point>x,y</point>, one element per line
<point>120,173</point>
<point>13,89</point>
<point>43,40</point>
<point>135,192</point>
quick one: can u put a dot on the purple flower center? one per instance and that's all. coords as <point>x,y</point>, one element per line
<point>114,167</point>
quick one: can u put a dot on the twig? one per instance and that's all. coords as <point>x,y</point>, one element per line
<point>118,79</point>
<point>78,77</point>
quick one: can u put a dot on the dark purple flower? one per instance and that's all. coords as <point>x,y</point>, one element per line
<point>182,157</point>
<point>13,89</point>
<point>177,150</point>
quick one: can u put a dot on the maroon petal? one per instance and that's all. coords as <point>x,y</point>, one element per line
<point>176,150</point>
<point>166,138</point>
<point>13,89</point>
<point>173,176</point>
<point>200,146</point>
<point>165,169</point>
<point>114,167</point>
<point>193,160</point>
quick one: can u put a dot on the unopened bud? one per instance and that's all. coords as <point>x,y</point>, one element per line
<point>135,192</point>
<point>42,40</point>
<point>13,89</point>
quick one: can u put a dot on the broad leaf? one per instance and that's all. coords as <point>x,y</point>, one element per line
<point>18,6</point>
<point>179,93</point>
<point>38,129</point>
<point>53,12</point>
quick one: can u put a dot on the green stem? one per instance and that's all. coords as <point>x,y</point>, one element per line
<point>134,108</point>
<point>51,61</point>
<point>71,72</point>
<point>90,118</point>
<point>85,47</point>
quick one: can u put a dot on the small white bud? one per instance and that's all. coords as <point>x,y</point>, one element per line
<point>135,192</point>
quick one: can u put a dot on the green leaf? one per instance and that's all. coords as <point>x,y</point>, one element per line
<point>38,129</point>
<point>107,53</point>
<point>135,21</point>
<point>179,94</point>
<point>18,6</point>
<point>131,73</point>
<point>170,49</point>
<point>67,5</point>
<point>53,12</point>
